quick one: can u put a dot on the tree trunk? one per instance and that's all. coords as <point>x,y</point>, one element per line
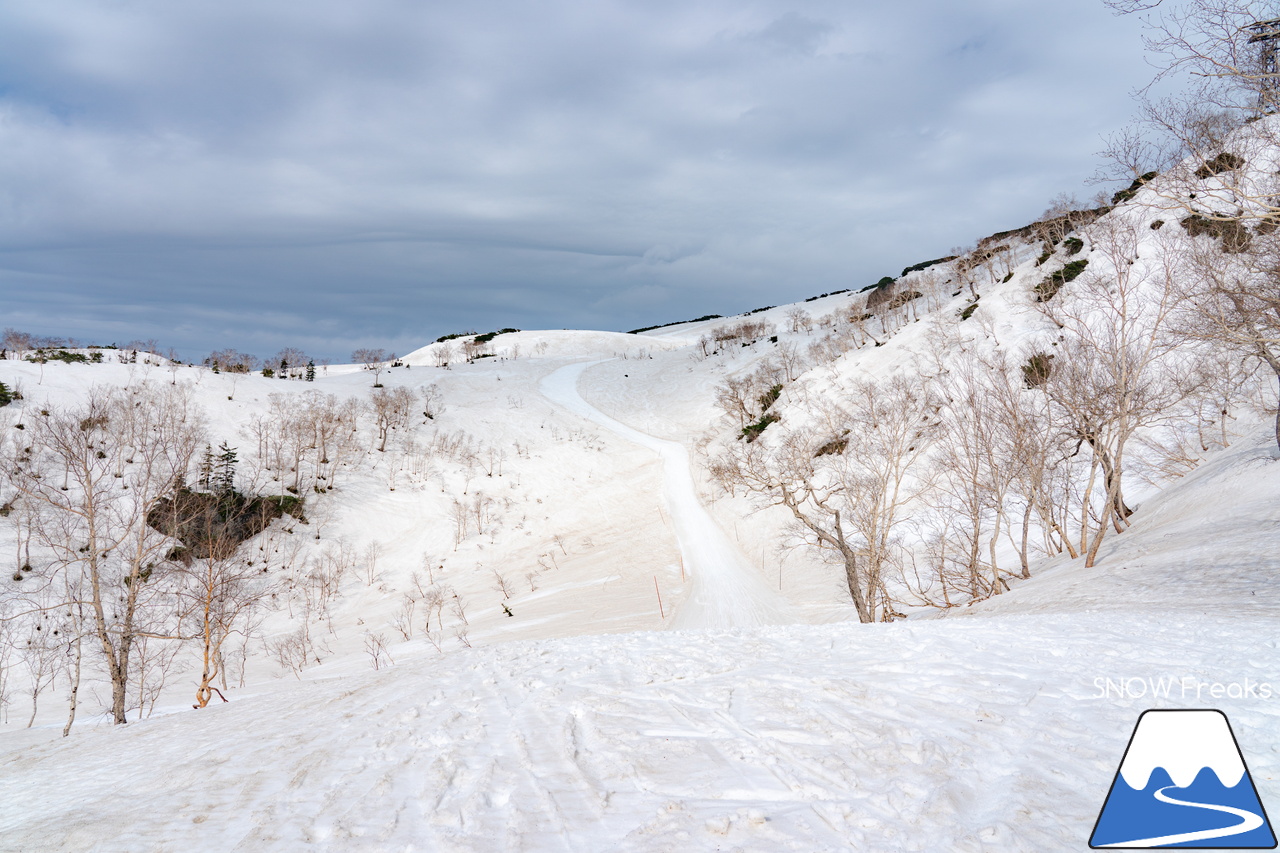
<point>847,554</point>
<point>1022,552</point>
<point>75,691</point>
<point>995,569</point>
<point>975,547</point>
<point>119,691</point>
<point>1108,512</point>
<point>851,575</point>
<point>1111,479</point>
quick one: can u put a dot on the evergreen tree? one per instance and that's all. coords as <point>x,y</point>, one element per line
<point>204,480</point>
<point>311,371</point>
<point>224,481</point>
<point>6,396</point>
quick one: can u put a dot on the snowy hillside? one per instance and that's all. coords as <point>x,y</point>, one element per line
<point>586,591</point>
<point>975,734</point>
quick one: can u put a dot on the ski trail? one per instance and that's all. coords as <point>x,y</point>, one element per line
<point>1248,822</point>
<point>725,592</point>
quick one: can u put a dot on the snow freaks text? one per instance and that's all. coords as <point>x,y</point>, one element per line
<point>1185,687</point>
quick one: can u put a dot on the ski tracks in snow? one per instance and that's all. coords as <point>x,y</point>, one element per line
<point>937,736</point>
<point>726,591</point>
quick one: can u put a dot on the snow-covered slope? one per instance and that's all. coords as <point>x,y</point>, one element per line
<point>990,733</point>
<point>634,660</point>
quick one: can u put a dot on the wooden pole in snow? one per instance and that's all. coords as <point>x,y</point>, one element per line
<point>659,592</point>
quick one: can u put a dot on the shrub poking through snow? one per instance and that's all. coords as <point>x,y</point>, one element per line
<point>1234,235</point>
<point>1127,194</point>
<point>1037,370</point>
<point>752,431</point>
<point>924,265</point>
<point>1224,162</point>
<point>42,356</point>
<point>834,447</point>
<point>212,525</point>
<point>903,298</point>
<point>768,398</point>
<point>1049,288</point>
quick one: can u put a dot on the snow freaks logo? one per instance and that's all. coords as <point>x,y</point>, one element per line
<point>1185,688</point>
<point>1183,783</point>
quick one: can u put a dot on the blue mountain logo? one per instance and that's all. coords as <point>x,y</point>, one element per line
<point>1183,783</point>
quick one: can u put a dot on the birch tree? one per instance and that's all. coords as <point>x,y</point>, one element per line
<point>847,479</point>
<point>1115,369</point>
<point>93,472</point>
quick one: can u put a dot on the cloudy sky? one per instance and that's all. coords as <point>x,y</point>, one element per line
<point>337,174</point>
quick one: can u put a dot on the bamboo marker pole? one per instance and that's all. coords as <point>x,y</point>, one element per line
<point>661,612</point>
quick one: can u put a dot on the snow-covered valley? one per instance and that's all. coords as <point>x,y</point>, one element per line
<point>555,629</point>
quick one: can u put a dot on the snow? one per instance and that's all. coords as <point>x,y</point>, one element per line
<point>990,732</point>
<point>955,735</point>
<point>726,592</point>
<point>749,712</point>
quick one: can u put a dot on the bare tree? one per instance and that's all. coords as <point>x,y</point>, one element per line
<point>391,409</point>
<point>372,359</point>
<point>848,483</point>
<point>736,397</point>
<point>973,474</point>
<point>6,666</point>
<point>799,320</point>
<point>375,645</point>
<point>309,436</point>
<point>41,657</point>
<point>1115,370</point>
<point>444,353</point>
<point>790,361</point>
<point>224,587</point>
<point>431,401</point>
<point>17,342</point>
<point>289,363</point>
<point>1036,454</point>
<point>1209,164</point>
<point>94,472</point>
<point>372,553</point>
<point>1232,300</point>
<point>232,361</point>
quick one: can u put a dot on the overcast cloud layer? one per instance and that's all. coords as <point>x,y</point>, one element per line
<point>335,174</point>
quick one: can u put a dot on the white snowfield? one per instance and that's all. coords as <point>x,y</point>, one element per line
<point>992,732</point>
<point>963,735</point>
<point>569,711</point>
<point>725,591</point>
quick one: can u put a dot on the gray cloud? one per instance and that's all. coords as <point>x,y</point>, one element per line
<point>329,174</point>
